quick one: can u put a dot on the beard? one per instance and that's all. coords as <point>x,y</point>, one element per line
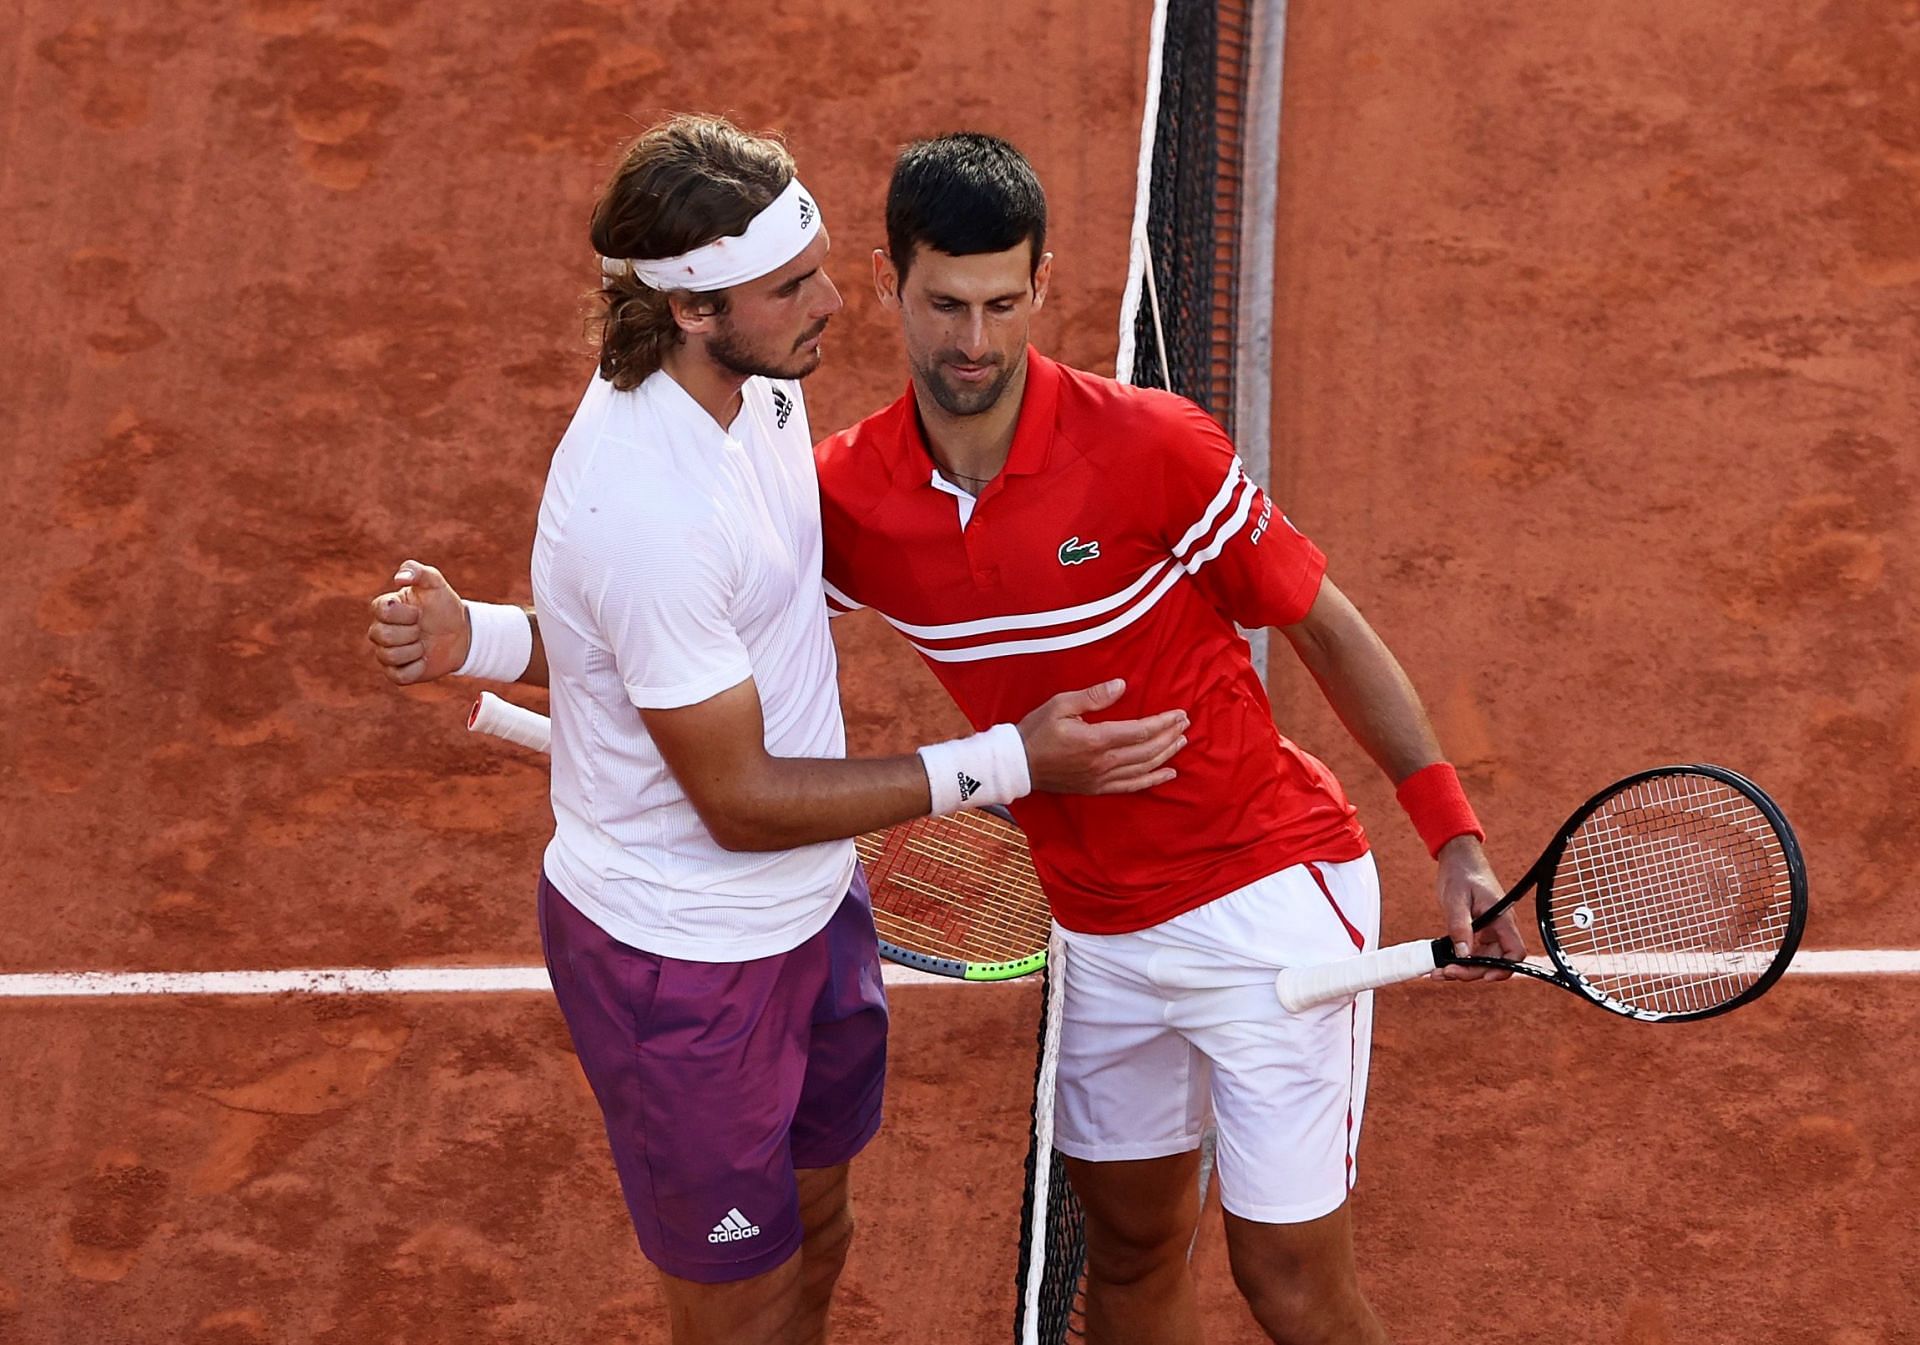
<point>737,355</point>
<point>962,399</point>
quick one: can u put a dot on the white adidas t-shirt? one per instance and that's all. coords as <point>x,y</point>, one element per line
<point>675,560</point>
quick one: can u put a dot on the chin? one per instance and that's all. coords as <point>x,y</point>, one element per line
<point>967,401</point>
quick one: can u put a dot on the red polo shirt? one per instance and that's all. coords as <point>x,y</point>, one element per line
<point>1122,539</point>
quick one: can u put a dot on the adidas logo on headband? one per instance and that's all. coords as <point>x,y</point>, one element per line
<point>806,213</point>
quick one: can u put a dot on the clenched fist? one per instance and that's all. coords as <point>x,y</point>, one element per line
<point>419,630</point>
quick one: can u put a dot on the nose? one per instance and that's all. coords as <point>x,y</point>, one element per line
<point>829,301</point>
<point>973,339</point>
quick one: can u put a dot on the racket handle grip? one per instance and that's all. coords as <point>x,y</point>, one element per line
<point>1309,987</point>
<point>515,723</point>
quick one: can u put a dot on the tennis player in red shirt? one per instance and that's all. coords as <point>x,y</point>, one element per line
<point>1024,524</point>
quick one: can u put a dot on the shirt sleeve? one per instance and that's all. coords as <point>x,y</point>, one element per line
<point>663,602</point>
<point>1254,566</point>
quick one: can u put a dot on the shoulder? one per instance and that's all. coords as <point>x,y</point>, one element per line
<point>632,487</point>
<point>1114,418</point>
<point>856,464</point>
<point>780,402</point>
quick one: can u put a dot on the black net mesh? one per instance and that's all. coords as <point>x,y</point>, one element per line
<point>1193,208</point>
<point>1056,1238</point>
<point>1192,230</point>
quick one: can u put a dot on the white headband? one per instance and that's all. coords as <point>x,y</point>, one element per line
<point>776,236</point>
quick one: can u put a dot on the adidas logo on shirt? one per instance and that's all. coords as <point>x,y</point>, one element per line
<point>733,1228</point>
<point>967,786</point>
<point>782,408</point>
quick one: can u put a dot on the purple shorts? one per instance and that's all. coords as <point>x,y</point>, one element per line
<point>718,1079</point>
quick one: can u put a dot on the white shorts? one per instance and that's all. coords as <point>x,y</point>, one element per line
<point>1141,1068</point>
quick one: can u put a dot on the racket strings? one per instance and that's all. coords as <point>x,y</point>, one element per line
<point>1674,896</point>
<point>960,886</point>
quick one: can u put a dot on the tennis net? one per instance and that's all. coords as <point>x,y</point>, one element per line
<point>1196,319</point>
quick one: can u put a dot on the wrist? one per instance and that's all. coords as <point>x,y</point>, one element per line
<point>499,641</point>
<point>988,768</point>
<point>1438,808</point>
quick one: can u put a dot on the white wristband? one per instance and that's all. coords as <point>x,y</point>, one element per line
<point>989,767</point>
<point>502,642</point>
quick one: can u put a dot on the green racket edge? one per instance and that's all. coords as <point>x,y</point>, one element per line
<point>963,971</point>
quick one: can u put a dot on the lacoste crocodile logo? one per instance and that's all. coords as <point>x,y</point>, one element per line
<point>1073,551</point>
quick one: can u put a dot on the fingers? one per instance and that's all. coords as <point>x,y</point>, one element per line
<point>1118,733</point>
<point>394,608</point>
<point>1456,905</point>
<point>1089,699</point>
<point>1135,784</point>
<point>406,675</point>
<point>1500,939</point>
<point>1149,754</point>
<point>417,575</point>
<point>401,626</point>
<point>1459,922</point>
<point>395,653</point>
<point>1505,937</point>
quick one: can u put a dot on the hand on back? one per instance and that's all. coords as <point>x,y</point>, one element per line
<point>1068,755</point>
<point>419,631</point>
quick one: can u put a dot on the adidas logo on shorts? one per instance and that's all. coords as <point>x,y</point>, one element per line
<point>733,1228</point>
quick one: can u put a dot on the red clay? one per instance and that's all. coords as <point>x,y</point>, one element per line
<point>1595,380</point>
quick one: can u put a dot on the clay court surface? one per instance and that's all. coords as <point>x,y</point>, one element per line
<point>1596,378</point>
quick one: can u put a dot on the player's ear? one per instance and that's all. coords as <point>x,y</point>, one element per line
<point>886,280</point>
<point>693,313</point>
<point>1041,275</point>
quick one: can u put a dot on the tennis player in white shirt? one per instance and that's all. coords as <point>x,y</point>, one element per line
<point>702,913</point>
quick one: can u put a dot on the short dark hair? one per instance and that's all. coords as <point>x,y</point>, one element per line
<point>964,194</point>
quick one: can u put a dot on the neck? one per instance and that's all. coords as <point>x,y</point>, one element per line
<point>714,386</point>
<point>971,450</point>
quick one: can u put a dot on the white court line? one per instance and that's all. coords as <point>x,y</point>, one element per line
<point>318,981</point>
<point>498,980</point>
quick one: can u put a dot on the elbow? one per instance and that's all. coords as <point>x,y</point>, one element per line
<point>738,828</point>
<point>728,829</point>
<point>733,837</point>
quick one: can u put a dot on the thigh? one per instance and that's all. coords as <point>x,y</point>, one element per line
<point>1288,1089</point>
<point>842,1093</point>
<point>1130,1086</point>
<point>698,1069</point>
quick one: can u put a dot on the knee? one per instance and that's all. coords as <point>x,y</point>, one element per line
<point>824,1246</point>
<point>1296,1307</point>
<point>1135,1255</point>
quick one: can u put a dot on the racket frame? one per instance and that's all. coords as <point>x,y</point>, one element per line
<point>1540,879</point>
<point>954,967</point>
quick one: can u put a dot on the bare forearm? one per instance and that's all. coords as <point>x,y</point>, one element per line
<point>784,802</point>
<point>1365,685</point>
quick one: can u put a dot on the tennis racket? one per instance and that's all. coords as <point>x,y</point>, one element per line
<point>1675,894</point>
<point>955,895</point>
